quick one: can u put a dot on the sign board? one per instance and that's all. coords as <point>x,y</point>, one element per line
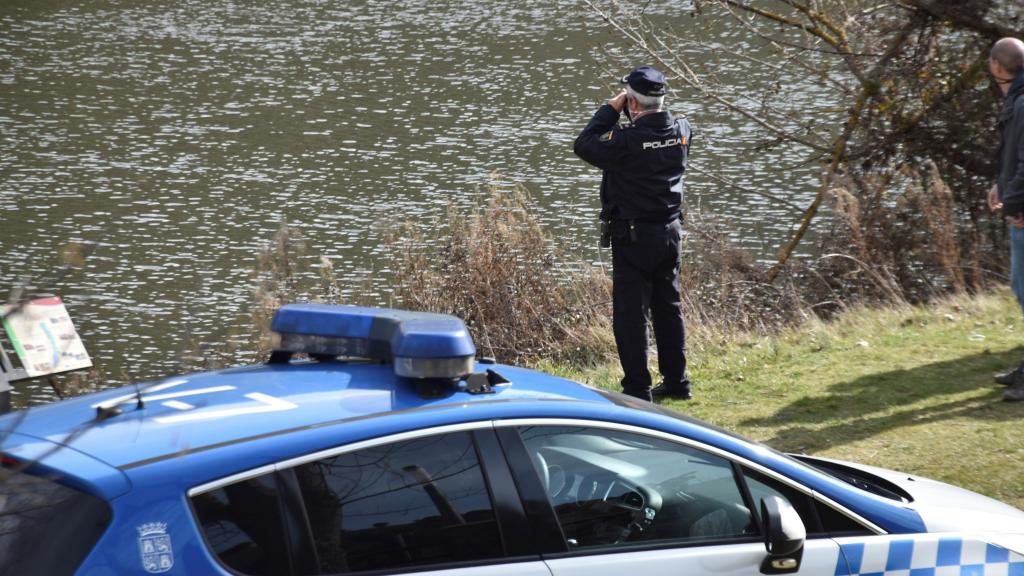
<point>44,337</point>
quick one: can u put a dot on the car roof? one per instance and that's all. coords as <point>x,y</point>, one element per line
<point>211,409</point>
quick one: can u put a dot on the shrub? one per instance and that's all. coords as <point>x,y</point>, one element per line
<point>495,267</point>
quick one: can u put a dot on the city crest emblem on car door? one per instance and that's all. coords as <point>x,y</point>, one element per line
<point>155,547</point>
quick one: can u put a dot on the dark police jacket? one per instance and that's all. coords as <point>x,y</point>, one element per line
<point>1011,150</point>
<point>643,163</point>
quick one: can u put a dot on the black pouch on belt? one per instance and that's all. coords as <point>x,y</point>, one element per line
<point>619,229</point>
<point>623,229</point>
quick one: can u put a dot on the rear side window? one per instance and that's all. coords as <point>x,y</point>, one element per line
<point>242,525</point>
<point>404,505</point>
<point>46,527</point>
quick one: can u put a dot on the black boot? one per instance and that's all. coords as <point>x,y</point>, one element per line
<point>662,391</point>
<point>1011,377</point>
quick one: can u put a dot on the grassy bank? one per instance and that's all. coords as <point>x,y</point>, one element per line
<point>908,388</point>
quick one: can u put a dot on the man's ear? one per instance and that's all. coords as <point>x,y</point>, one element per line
<point>998,68</point>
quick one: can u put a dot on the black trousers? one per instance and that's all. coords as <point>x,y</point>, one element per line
<point>645,284</point>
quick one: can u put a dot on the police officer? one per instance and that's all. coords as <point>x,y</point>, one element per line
<point>641,193</point>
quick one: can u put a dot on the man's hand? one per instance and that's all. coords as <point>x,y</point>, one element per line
<point>1016,221</point>
<point>619,102</point>
<point>993,198</point>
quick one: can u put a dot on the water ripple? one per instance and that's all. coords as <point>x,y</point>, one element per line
<point>180,135</point>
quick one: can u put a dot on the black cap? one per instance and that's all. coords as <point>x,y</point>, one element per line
<point>646,80</point>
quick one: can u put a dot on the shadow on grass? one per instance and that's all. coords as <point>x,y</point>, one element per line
<point>884,402</point>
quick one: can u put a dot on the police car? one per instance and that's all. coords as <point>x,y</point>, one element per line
<point>373,442</point>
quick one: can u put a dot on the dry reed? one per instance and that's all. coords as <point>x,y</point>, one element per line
<point>496,268</point>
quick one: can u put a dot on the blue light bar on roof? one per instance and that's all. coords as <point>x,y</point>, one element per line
<point>419,344</point>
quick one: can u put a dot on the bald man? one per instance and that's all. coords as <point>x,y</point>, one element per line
<point>1006,64</point>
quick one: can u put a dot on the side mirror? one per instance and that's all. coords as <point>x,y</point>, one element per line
<point>784,536</point>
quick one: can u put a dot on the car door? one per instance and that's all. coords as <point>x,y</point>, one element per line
<point>622,501</point>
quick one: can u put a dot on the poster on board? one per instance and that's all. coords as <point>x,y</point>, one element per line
<point>44,337</point>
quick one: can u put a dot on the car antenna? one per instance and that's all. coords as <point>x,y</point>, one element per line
<point>108,410</point>
<point>104,411</point>
<point>139,403</point>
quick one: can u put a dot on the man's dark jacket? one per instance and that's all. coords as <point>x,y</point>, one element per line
<point>1011,150</point>
<point>643,164</point>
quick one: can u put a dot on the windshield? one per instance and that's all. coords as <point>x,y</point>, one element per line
<point>628,401</point>
<point>859,478</point>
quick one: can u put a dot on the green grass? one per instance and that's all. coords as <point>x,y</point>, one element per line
<point>908,388</point>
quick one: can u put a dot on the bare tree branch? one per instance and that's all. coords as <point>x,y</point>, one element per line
<point>870,89</point>
<point>681,70</point>
<point>964,14</point>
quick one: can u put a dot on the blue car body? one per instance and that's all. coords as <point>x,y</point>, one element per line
<point>146,453</point>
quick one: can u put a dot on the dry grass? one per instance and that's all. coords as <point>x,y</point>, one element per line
<point>497,269</point>
<point>900,235</point>
<point>277,267</point>
<point>724,291</point>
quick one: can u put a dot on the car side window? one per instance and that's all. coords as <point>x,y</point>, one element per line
<point>834,523</point>
<point>242,525</point>
<point>613,489</point>
<point>399,506</point>
<point>761,485</point>
<point>819,519</point>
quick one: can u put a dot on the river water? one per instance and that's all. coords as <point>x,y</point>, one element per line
<point>178,136</point>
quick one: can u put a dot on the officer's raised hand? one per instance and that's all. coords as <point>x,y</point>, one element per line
<point>619,102</point>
